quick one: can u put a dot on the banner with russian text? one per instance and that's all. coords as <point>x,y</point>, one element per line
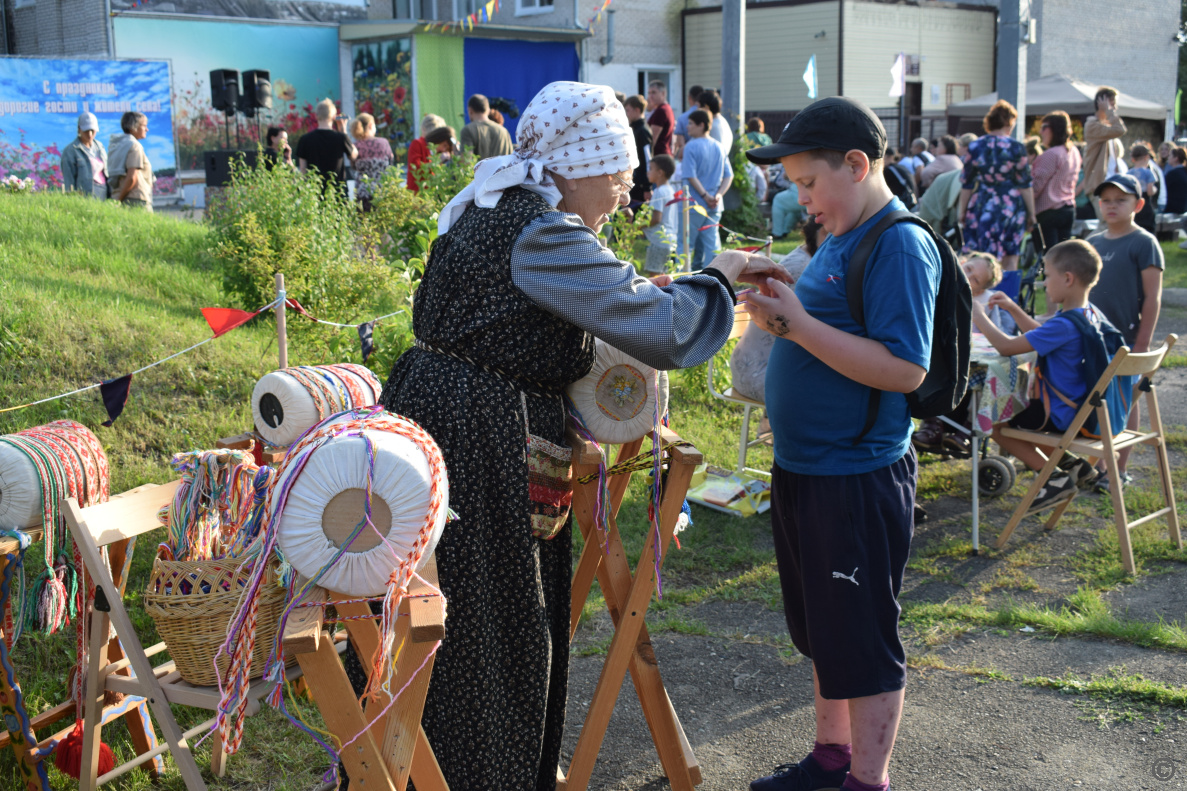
<point>41,99</point>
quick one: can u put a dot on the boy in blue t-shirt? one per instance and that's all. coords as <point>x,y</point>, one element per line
<point>842,507</point>
<point>1073,268</point>
<point>706,168</point>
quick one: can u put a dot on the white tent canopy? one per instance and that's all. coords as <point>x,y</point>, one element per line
<point>1059,92</point>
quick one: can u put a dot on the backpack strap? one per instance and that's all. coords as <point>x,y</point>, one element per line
<point>855,277</point>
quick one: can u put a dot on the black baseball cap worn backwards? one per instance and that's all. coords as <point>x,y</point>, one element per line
<point>837,123</point>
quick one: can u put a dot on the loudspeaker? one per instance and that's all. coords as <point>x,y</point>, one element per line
<point>224,90</point>
<point>218,164</point>
<point>257,89</point>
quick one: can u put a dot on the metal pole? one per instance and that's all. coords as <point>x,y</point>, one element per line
<point>1011,58</point>
<point>282,341</point>
<point>733,62</point>
<point>976,459</point>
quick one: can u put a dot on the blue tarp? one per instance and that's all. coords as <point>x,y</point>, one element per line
<point>517,70</point>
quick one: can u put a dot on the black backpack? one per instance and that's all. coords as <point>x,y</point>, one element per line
<point>900,184</point>
<point>947,377</point>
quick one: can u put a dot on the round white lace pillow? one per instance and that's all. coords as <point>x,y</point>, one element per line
<point>617,398</point>
<point>20,490</point>
<point>283,407</point>
<point>327,500</point>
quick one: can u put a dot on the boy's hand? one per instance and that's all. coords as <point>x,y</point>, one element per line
<point>662,280</point>
<point>775,308</point>
<point>998,299</point>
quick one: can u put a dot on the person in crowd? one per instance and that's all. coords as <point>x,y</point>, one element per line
<point>660,118</point>
<point>944,161</point>
<point>1142,168</point>
<point>276,147</point>
<point>1176,181</point>
<point>984,272</point>
<point>707,170</point>
<point>748,360</point>
<point>1055,172</point>
<point>758,181</point>
<point>842,497</point>
<point>1103,154</point>
<point>997,173</point>
<point>939,206</point>
<point>786,211</point>
<point>1158,166</point>
<point>1073,268</point>
<point>374,158</point>
<point>710,102</point>
<point>516,287</point>
<point>680,132</point>
<point>327,150</point>
<point>84,161</point>
<point>483,136</point>
<point>1130,290</point>
<point>662,230</point>
<point>128,165</point>
<point>445,144</point>
<point>495,117</point>
<point>898,178</point>
<point>756,132</point>
<point>419,152</point>
<point>1034,146</point>
<point>635,107</point>
<point>919,159</point>
<point>1164,154</point>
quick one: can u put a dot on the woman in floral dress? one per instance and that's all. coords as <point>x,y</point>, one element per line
<point>997,179</point>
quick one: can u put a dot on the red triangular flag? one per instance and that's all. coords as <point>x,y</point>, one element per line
<point>223,320</point>
<point>297,306</point>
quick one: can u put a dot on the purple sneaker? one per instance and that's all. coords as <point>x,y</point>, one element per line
<point>807,775</point>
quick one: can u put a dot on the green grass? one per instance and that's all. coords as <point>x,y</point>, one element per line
<point>1175,275</point>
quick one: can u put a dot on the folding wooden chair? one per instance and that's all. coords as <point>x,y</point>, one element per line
<point>627,597</point>
<point>1124,363</point>
<point>732,396</point>
<point>20,730</point>
<point>115,524</point>
<point>396,748</point>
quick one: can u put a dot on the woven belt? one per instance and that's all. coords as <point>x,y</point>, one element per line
<point>518,382</point>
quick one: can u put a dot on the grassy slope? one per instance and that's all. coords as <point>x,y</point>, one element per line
<point>91,291</point>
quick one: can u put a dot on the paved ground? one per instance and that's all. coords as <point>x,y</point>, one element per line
<point>745,698</point>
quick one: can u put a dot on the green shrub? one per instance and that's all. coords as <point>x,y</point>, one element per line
<point>438,183</point>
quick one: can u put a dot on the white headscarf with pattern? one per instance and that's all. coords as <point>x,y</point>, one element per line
<point>570,128</point>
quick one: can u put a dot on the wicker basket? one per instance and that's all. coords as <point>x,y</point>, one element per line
<point>192,603</point>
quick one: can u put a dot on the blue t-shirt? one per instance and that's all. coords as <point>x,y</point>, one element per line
<point>1062,345</point>
<point>682,122</point>
<point>815,412</point>
<point>704,160</point>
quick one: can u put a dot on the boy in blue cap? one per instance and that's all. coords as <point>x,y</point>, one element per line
<point>842,498</point>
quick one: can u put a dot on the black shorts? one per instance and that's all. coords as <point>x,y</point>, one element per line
<point>1034,418</point>
<point>842,543</point>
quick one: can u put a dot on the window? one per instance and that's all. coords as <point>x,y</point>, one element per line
<point>525,7</point>
<point>463,8</point>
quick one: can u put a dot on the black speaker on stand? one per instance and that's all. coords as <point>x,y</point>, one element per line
<point>224,96</point>
<point>257,95</point>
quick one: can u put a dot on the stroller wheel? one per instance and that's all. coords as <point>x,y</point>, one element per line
<point>996,476</point>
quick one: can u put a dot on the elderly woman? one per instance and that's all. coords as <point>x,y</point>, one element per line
<point>84,162</point>
<point>419,151</point>
<point>997,171</point>
<point>375,156</point>
<point>129,167</point>
<point>515,289</point>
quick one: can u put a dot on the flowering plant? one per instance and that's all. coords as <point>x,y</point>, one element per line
<point>23,161</point>
<point>17,184</point>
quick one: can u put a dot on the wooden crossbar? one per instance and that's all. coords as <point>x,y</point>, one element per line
<point>628,596</point>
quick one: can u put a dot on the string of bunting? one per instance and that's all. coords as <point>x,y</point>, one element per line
<point>115,391</point>
<point>483,15</point>
<point>597,14</point>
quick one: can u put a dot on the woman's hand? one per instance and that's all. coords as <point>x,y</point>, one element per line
<point>742,267</point>
<point>775,308</point>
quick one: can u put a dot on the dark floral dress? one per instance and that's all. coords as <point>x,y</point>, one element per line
<point>997,168</point>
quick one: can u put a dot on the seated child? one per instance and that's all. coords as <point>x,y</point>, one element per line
<point>661,233</point>
<point>748,360</point>
<point>1073,268</point>
<point>984,272</point>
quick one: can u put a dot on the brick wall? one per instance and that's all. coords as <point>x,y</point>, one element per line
<point>1126,45</point>
<point>60,28</point>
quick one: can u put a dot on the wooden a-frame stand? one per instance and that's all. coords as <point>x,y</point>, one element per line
<point>627,597</point>
<point>390,751</point>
